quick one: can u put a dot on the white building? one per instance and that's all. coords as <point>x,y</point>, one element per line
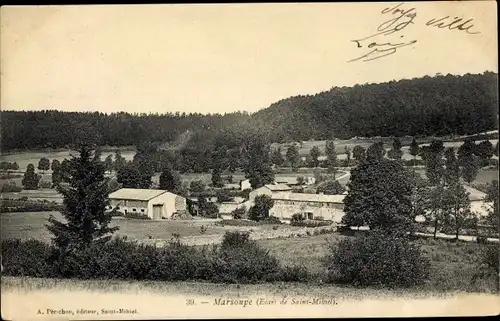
<point>156,204</point>
<point>269,190</point>
<point>293,180</point>
<point>245,184</point>
<point>311,206</point>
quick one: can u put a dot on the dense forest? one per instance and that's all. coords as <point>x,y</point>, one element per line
<point>439,105</point>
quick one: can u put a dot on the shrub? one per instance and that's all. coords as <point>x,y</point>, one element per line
<point>26,258</point>
<point>377,259</point>
<point>136,215</point>
<point>23,205</point>
<point>271,220</point>
<point>296,218</point>
<point>45,184</point>
<point>240,259</point>
<point>311,223</point>
<point>294,274</point>
<point>239,213</point>
<point>10,187</point>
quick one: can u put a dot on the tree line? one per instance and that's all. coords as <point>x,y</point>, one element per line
<point>428,106</point>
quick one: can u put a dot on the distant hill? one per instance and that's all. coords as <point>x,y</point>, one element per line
<point>436,106</point>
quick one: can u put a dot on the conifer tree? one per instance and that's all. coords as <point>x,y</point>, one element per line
<point>31,179</point>
<point>331,157</point>
<point>85,194</point>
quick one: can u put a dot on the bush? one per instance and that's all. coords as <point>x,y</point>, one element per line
<point>239,213</point>
<point>311,223</point>
<point>377,259</point>
<point>10,187</point>
<point>45,184</point>
<point>22,205</point>
<point>297,218</point>
<point>271,220</point>
<point>295,274</point>
<point>240,259</point>
<point>26,258</point>
<point>137,215</point>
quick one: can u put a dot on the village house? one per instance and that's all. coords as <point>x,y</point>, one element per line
<point>269,190</point>
<point>245,184</point>
<point>156,204</point>
<point>228,207</point>
<point>311,206</point>
<point>294,180</point>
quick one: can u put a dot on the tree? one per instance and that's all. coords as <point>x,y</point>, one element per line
<point>119,161</point>
<point>348,154</point>
<point>456,204</point>
<point>223,195</point>
<point>31,179</point>
<point>170,180</point>
<point>256,162</point>
<point>113,185</point>
<point>130,176</point>
<point>414,149</point>
<point>217,178</point>
<point>434,206</point>
<point>493,217</point>
<point>301,180</point>
<point>293,157</point>
<point>260,210</point>
<point>14,166</point>
<point>358,153</point>
<point>55,165</point>
<point>467,161</point>
<point>495,151</point>
<point>197,186</point>
<point>219,159</point>
<point>331,157</point>
<point>44,164</point>
<point>434,164</point>
<point>396,152</point>
<point>380,196</point>
<point>315,153</point>
<point>376,151</point>
<point>276,157</point>
<point>85,201</point>
<point>5,166</point>
<point>452,170</point>
<point>484,150</point>
<point>108,163</point>
<point>330,187</point>
<point>233,159</point>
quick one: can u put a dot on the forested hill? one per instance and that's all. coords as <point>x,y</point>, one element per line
<point>422,106</point>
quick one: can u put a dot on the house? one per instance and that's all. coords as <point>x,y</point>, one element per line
<point>293,180</point>
<point>312,206</point>
<point>269,190</point>
<point>478,203</point>
<point>228,207</point>
<point>156,204</point>
<point>245,184</point>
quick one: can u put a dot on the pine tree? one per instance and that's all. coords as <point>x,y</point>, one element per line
<point>31,179</point>
<point>256,162</point>
<point>293,157</point>
<point>414,149</point>
<point>396,152</point>
<point>315,153</point>
<point>217,178</point>
<point>108,163</point>
<point>348,154</point>
<point>85,201</point>
<point>119,161</point>
<point>331,157</point>
<point>170,180</point>
<point>276,157</point>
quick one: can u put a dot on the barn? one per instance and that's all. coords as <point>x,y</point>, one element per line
<point>311,206</point>
<point>269,190</point>
<point>157,204</point>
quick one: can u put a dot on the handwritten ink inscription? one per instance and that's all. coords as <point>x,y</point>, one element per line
<point>401,18</point>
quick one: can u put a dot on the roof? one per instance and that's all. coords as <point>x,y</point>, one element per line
<point>303,197</point>
<point>278,187</point>
<point>475,195</point>
<point>136,194</point>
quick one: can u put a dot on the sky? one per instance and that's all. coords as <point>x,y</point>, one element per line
<point>221,58</point>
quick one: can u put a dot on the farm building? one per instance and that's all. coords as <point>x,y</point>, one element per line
<point>312,206</point>
<point>293,180</point>
<point>228,207</point>
<point>156,204</point>
<point>478,203</point>
<point>245,184</point>
<point>269,190</point>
